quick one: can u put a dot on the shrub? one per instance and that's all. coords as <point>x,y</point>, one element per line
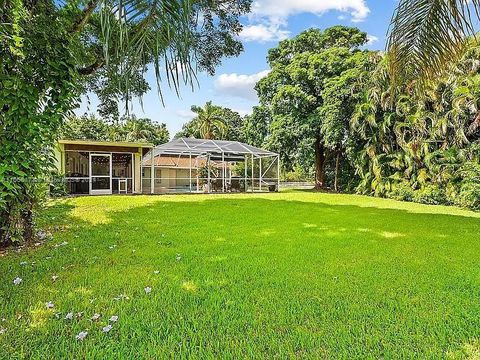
<point>430,194</point>
<point>402,191</point>
<point>58,185</point>
<point>469,196</point>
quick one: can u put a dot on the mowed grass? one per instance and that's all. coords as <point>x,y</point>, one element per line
<point>296,274</point>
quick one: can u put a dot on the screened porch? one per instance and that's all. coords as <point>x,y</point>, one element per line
<point>187,165</point>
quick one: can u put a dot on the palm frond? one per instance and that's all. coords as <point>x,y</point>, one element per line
<point>426,36</point>
<point>155,33</point>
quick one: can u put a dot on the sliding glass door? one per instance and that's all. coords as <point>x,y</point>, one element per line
<point>100,174</point>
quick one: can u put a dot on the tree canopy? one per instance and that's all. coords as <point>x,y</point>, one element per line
<point>213,122</point>
<point>129,128</point>
<point>311,91</point>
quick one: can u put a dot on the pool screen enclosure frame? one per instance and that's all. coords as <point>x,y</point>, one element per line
<point>188,165</point>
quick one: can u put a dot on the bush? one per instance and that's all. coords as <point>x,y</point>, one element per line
<point>430,194</point>
<point>58,185</point>
<point>468,193</point>
<point>402,191</point>
<point>469,196</point>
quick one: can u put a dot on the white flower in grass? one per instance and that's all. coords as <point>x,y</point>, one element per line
<point>148,290</point>
<point>54,277</point>
<point>17,281</point>
<point>81,335</point>
<point>69,316</point>
<point>80,314</point>
<point>23,263</point>
<point>114,318</point>
<point>178,257</point>
<point>156,272</point>
<point>49,305</point>
<point>2,330</point>
<point>95,317</point>
<point>107,328</point>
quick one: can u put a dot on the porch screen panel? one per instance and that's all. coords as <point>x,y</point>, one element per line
<point>77,172</point>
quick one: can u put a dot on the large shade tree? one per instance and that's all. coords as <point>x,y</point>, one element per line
<point>310,93</point>
<point>52,51</point>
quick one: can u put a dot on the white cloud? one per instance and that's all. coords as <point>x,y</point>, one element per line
<point>239,85</point>
<point>263,33</point>
<point>243,112</point>
<point>371,39</point>
<point>273,9</point>
<point>268,19</point>
<point>185,114</point>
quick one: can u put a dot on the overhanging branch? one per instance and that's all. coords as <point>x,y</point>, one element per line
<point>83,18</point>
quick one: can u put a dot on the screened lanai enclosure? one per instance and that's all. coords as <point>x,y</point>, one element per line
<point>188,165</point>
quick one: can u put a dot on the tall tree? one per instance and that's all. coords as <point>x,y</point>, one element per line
<point>256,126</point>
<point>213,122</point>
<point>309,117</point>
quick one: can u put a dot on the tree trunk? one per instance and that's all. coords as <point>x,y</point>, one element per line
<point>4,216</point>
<point>28,225</point>
<point>319,165</point>
<point>337,168</point>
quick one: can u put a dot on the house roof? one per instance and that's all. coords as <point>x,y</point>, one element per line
<point>203,146</point>
<point>106,143</point>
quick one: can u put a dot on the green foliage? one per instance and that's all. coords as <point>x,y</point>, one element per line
<point>430,194</point>
<point>58,184</point>
<point>37,74</point>
<point>129,128</point>
<point>469,186</point>
<point>255,129</point>
<point>402,191</point>
<point>311,94</point>
<point>297,174</point>
<point>427,143</point>
<point>213,122</point>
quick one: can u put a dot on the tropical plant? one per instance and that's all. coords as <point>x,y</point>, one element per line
<point>427,37</point>
<point>209,123</point>
<point>418,147</point>
<point>128,128</point>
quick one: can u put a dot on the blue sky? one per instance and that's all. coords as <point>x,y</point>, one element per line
<point>269,22</point>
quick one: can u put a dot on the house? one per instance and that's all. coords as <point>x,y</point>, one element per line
<point>184,165</point>
<point>101,167</point>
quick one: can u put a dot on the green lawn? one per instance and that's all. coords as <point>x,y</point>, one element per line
<point>294,274</point>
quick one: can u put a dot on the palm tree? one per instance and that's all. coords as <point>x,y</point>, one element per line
<point>209,122</point>
<point>136,131</point>
<point>427,36</point>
